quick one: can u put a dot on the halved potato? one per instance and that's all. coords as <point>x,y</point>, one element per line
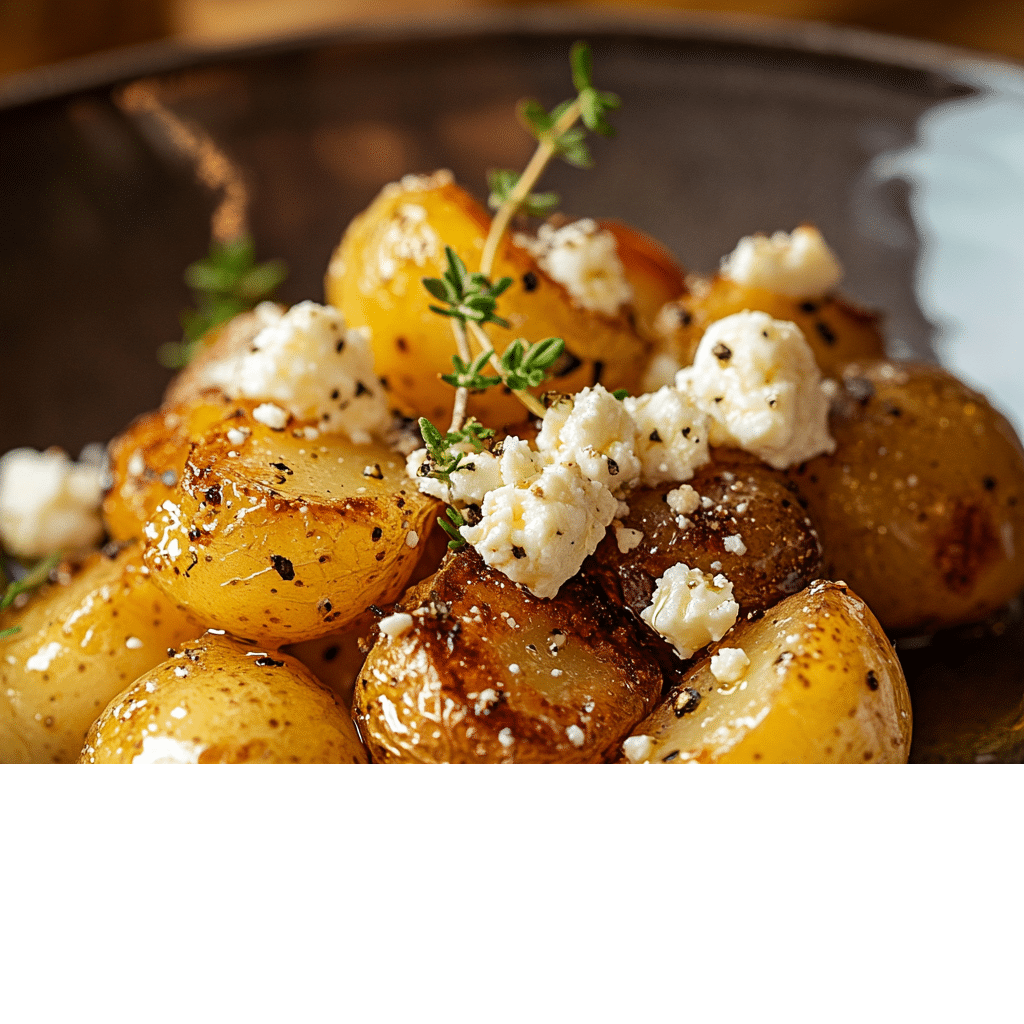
<point>217,701</point>
<point>921,506</point>
<point>836,329</point>
<point>745,499</point>
<point>823,685</point>
<point>476,669</point>
<point>376,279</point>
<point>80,642</point>
<point>279,539</point>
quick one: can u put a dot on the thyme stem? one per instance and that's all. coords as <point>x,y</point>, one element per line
<point>532,403</point>
<point>461,394</point>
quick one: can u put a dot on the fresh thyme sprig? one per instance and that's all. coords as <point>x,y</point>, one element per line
<point>466,297</point>
<point>451,525</point>
<point>557,135</point>
<point>227,282</point>
<point>36,577</point>
<point>442,458</point>
<point>526,367</point>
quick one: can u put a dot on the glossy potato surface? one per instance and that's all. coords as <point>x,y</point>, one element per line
<point>748,499</point>
<point>921,507</point>
<point>823,685</point>
<point>375,279</point>
<point>280,539</point>
<point>835,328</point>
<point>217,701</point>
<point>79,644</point>
<point>488,673</point>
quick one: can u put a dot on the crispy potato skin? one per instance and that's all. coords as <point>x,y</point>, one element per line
<point>446,690</point>
<point>80,643</point>
<point>375,279</point>
<point>824,685</point>
<point>147,460</point>
<point>217,701</point>
<point>921,507</point>
<point>837,330</point>
<point>280,539</point>
<point>782,556</point>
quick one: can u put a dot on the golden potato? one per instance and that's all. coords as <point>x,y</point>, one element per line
<point>147,460</point>
<point>375,279</point>
<point>80,642</point>
<point>217,701</point>
<point>280,539</point>
<point>836,329</point>
<point>823,685</point>
<point>921,507</point>
<point>748,499</point>
<point>476,669</point>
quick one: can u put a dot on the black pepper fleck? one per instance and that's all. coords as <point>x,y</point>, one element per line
<point>283,567</point>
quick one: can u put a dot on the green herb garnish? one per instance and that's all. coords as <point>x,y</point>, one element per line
<point>36,577</point>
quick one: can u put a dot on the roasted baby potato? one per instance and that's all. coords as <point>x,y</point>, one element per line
<point>79,643</point>
<point>476,669</point>
<point>921,507</point>
<point>279,539</point>
<point>147,460</point>
<point>823,685</point>
<point>745,499</point>
<point>836,329</point>
<point>217,701</point>
<point>376,280</point>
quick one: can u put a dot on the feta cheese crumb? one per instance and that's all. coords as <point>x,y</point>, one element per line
<point>637,748</point>
<point>671,438</point>
<point>133,643</point>
<point>729,665</point>
<point>168,750</point>
<point>626,538</point>
<point>505,738</point>
<point>479,473</point>
<point>395,625</point>
<point>307,362</point>
<point>48,503</point>
<point>41,660</point>
<point>237,435</point>
<point>270,415</point>
<point>690,609</point>
<point>575,735</point>
<point>684,500</point>
<point>734,543</point>
<point>799,265</point>
<point>412,538</point>
<point>583,258</point>
<point>758,381</point>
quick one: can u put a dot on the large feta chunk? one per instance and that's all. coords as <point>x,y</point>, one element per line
<point>690,609</point>
<point>799,265</point>
<point>538,534</point>
<point>758,381</point>
<point>478,473</point>
<point>583,258</point>
<point>671,436</point>
<point>307,361</point>
<point>594,431</point>
<point>48,503</point>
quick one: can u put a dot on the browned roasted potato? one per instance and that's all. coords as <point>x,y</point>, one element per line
<point>823,684</point>
<point>147,460</point>
<point>921,507</point>
<point>375,279</point>
<point>280,539</point>
<point>835,328</point>
<point>745,498</point>
<point>217,701</point>
<point>80,642</point>
<point>476,669</point>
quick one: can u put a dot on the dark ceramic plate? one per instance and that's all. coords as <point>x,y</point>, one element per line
<point>910,157</point>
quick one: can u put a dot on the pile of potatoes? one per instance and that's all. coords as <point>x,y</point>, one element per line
<point>292,600</point>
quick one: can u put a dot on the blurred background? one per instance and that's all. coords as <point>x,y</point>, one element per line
<point>39,32</point>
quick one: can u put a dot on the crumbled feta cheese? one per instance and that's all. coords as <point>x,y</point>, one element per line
<point>799,265</point>
<point>539,534</point>
<point>683,500</point>
<point>270,415</point>
<point>406,237</point>
<point>48,503</point>
<point>583,258</point>
<point>412,539</point>
<point>690,609</point>
<point>729,665</point>
<point>168,750</point>
<point>41,660</point>
<point>311,365</point>
<point>626,538</point>
<point>594,430</point>
<point>637,748</point>
<point>505,738</point>
<point>237,435</point>
<point>479,473</point>
<point>734,543</point>
<point>758,381</point>
<point>671,436</point>
<point>396,625</point>
<point>575,735</point>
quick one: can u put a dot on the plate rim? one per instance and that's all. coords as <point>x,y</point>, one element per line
<point>111,68</point>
